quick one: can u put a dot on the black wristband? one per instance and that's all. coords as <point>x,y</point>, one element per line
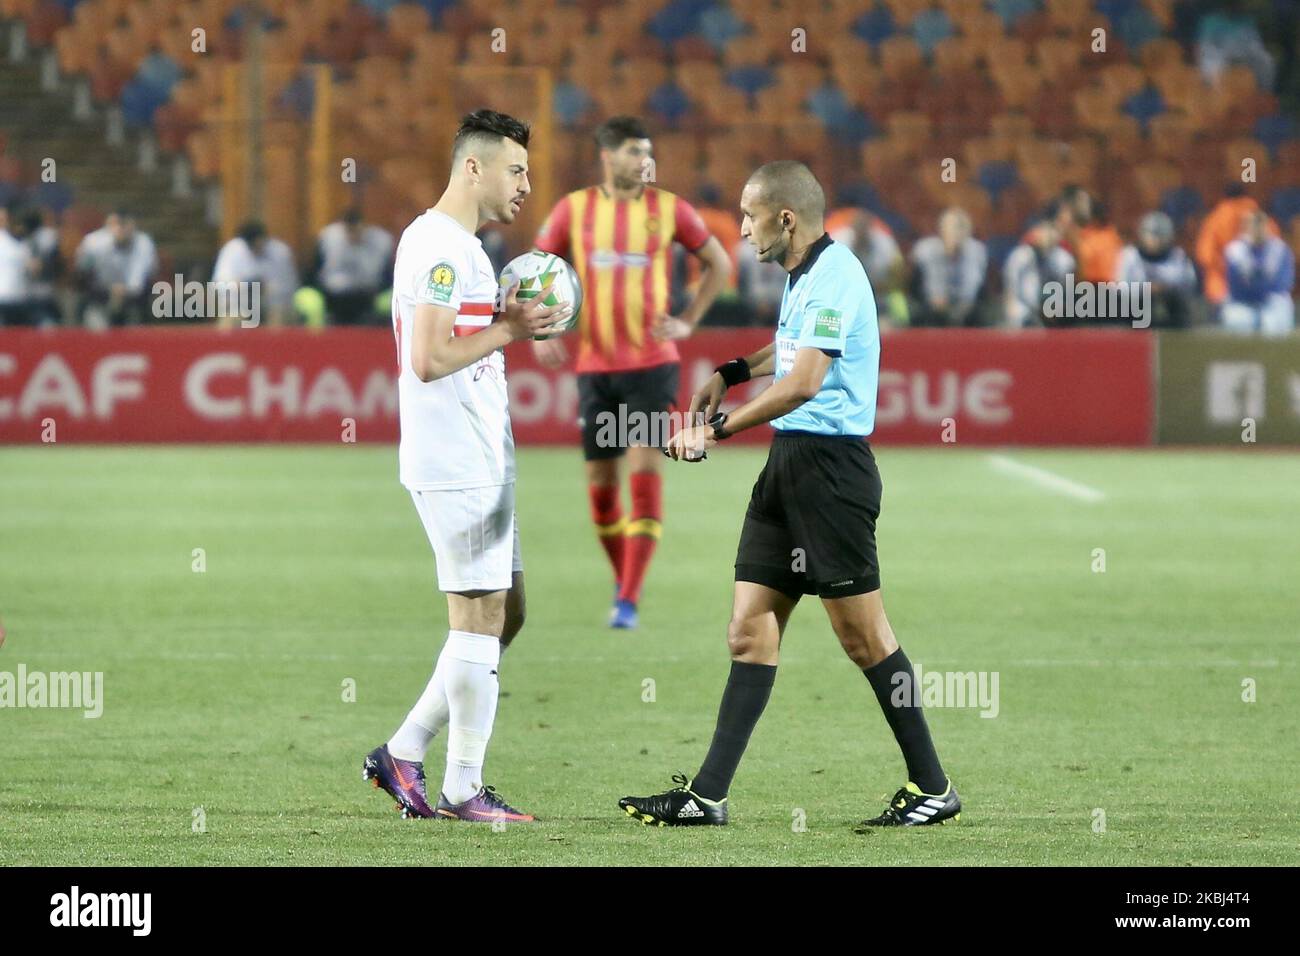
<point>734,372</point>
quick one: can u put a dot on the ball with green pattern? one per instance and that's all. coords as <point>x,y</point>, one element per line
<point>541,273</point>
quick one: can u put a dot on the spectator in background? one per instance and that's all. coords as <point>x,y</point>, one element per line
<point>354,263</point>
<point>721,223</point>
<point>253,256</point>
<point>1221,226</point>
<point>1229,36</point>
<point>1038,260</point>
<point>1097,245</point>
<point>950,270</point>
<point>1069,212</point>
<point>1155,259</point>
<point>874,245</point>
<point>13,272</point>
<point>760,284</point>
<point>1261,273</point>
<point>45,266</point>
<point>114,265</point>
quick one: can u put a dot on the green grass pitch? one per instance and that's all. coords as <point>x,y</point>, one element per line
<point>1120,692</point>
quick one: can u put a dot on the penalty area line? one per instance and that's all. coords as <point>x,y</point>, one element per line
<point>1045,479</point>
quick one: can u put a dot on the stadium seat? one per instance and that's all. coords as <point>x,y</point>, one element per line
<point>876,25</point>
<point>931,27</point>
<point>1181,202</point>
<point>1284,204</point>
<point>900,59</point>
<point>1274,130</point>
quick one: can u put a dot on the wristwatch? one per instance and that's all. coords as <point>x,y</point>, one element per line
<point>719,422</point>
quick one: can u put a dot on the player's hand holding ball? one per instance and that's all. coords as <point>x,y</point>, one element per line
<point>547,280</point>
<point>532,317</point>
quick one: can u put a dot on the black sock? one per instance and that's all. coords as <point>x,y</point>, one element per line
<point>907,721</point>
<point>748,688</point>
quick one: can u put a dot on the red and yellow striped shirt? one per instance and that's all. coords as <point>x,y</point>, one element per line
<point>621,249</point>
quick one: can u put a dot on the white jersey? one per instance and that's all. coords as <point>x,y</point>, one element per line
<point>456,429</point>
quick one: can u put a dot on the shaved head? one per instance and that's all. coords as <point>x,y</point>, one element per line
<point>789,184</point>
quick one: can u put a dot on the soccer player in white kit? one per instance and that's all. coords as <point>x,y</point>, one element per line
<point>457,458</point>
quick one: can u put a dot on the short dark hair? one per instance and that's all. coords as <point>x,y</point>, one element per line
<point>611,133</point>
<point>488,127</point>
<point>790,184</point>
<point>251,231</point>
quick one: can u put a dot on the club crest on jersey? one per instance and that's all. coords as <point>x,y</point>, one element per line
<point>442,279</point>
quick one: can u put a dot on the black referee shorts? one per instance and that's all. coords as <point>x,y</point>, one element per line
<point>642,392</point>
<point>811,523</point>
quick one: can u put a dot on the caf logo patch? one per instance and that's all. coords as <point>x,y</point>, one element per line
<point>442,279</point>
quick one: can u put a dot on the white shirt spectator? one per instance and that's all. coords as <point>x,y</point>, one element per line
<point>955,280</point>
<point>1174,270</point>
<point>13,269</point>
<point>109,263</point>
<point>351,267</point>
<point>274,268</point>
<point>1023,277</point>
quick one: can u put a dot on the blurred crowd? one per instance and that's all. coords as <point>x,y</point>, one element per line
<point>1239,276</point>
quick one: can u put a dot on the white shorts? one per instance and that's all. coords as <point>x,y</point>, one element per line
<point>474,535</point>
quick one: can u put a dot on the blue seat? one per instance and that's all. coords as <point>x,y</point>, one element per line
<point>998,248</point>
<point>1275,130</point>
<point>1285,204</point>
<point>750,79</point>
<point>669,102</point>
<point>1137,27</point>
<point>1180,202</point>
<point>570,102</point>
<point>720,26</point>
<point>997,176</point>
<point>55,196</point>
<point>1144,104</point>
<point>875,26</point>
<point>930,28</point>
<point>1012,11</point>
<point>140,101</point>
<point>677,20</point>
<point>853,127</point>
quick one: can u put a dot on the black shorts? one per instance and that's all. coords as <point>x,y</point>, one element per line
<point>811,523</point>
<point>647,392</point>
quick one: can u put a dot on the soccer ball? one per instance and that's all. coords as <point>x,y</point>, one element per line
<point>541,273</point>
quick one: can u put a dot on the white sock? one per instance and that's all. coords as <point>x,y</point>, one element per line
<point>471,689</point>
<point>427,717</point>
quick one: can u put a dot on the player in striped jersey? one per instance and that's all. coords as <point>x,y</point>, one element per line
<point>619,236</point>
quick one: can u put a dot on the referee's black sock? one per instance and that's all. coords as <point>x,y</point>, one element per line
<point>748,688</point>
<point>907,721</point>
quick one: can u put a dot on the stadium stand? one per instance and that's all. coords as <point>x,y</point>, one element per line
<point>875,97</point>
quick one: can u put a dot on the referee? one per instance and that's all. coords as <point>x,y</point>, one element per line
<point>811,522</point>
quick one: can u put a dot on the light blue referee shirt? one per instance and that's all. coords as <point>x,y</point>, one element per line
<point>828,304</point>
